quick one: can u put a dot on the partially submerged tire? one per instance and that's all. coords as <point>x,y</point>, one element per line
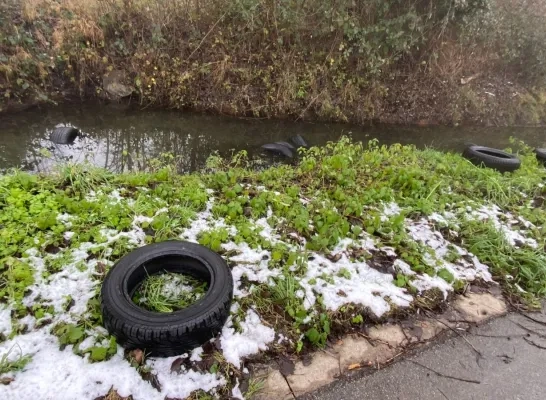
<point>541,156</point>
<point>289,145</point>
<point>492,158</point>
<point>299,141</point>
<point>166,334</point>
<point>278,148</point>
<point>64,135</point>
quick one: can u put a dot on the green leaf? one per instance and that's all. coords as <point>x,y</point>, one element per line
<point>74,334</point>
<point>358,319</point>
<point>446,275</point>
<point>276,255</point>
<point>98,353</point>
<point>313,335</point>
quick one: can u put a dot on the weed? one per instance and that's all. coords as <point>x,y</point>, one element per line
<point>8,364</point>
<point>168,292</point>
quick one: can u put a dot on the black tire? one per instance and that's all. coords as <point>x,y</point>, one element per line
<point>166,334</point>
<point>541,156</point>
<point>289,145</point>
<point>492,158</point>
<point>278,149</point>
<point>64,135</point>
<point>299,141</point>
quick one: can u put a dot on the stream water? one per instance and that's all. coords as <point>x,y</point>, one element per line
<point>122,140</point>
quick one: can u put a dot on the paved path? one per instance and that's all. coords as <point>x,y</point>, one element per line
<point>510,367</point>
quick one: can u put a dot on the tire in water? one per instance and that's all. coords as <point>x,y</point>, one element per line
<point>64,135</point>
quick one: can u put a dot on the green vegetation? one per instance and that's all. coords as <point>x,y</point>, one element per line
<point>343,61</point>
<point>348,236</point>
<point>9,365</point>
<point>169,292</point>
<point>281,230</point>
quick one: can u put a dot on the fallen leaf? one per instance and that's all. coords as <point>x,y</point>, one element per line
<point>353,366</point>
<point>6,380</point>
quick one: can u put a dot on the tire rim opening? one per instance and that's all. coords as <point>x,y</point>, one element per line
<point>494,154</point>
<point>167,292</point>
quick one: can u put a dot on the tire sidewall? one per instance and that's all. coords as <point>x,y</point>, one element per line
<point>117,303</point>
<point>505,162</point>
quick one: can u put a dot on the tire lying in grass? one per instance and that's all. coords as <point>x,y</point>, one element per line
<point>541,156</point>
<point>64,135</point>
<point>166,334</point>
<point>492,158</point>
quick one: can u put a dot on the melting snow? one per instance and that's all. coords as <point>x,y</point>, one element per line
<point>253,338</point>
<point>346,282</point>
<point>467,267</point>
<point>496,216</point>
<point>389,210</point>
<point>53,372</point>
<point>5,321</point>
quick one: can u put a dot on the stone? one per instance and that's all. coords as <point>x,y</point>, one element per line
<point>391,334</point>
<point>423,330</point>
<point>478,307</point>
<point>357,350</point>
<point>114,84</point>
<point>322,371</point>
<point>275,386</point>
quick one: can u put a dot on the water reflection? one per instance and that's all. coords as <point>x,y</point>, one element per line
<point>122,140</point>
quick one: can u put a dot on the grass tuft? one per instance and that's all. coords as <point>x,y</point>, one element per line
<point>9,365</point>
<point>169,292</point>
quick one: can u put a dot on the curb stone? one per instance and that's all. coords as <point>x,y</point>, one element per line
<point>383,343</point>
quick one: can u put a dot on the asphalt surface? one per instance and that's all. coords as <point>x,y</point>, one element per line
<point>511,365</point>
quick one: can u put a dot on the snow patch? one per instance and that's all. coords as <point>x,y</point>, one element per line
<point>346,282</point>
<point>5,321</point>
<point>504,223</point>
<point>467,267</point>
<point>390,210</point>
<point>72,377</point>
<point>253,338</point>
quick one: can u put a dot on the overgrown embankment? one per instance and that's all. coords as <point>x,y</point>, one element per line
<point>347,238</point>
<point>446,61</point>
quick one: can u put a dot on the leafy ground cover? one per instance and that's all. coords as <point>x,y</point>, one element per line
<point>349,236</point>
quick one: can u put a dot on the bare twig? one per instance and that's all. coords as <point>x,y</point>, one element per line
<point>206,36</point>
<point>534,344</point>
<point>443,394</point>
<point>288,384</point>
<point>457,332</point>
<point>372,340</point>
<point>444,375</point>
<point>532,319</point>
<point>540,335</point>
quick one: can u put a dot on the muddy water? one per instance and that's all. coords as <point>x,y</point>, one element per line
<point>122,140</point>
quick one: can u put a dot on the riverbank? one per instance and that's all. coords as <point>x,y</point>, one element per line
<point>347,238</point>
<point>478,62</point>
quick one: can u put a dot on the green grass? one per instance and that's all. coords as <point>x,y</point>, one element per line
<point>7,365</point>
<point>169,292</point>
<point>334,193</point>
